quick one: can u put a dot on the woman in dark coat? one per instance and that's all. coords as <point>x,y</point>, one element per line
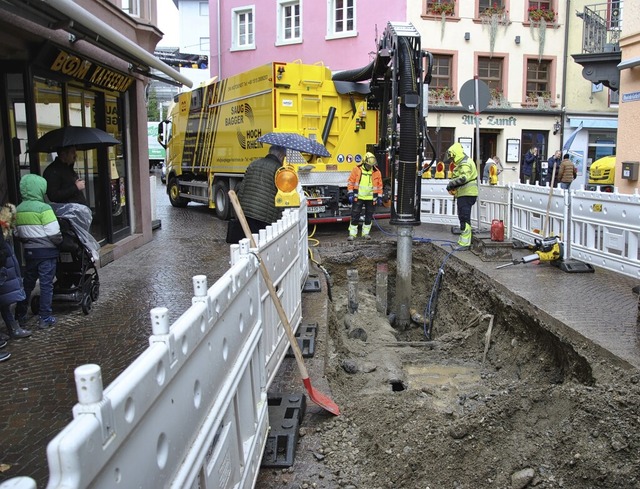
<point>11,290</point>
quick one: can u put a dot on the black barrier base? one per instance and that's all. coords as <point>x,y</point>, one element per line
<point>574,266</point>
<point>306,336</point>
<point>285,415</point>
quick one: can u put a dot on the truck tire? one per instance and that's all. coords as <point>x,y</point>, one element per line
<point>173,189</point>
<point>221,200</point>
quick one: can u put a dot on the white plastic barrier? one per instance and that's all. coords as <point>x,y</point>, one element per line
<point>605,230</point>
<point>495,203</point>
<point>437,206</point>
<point>191,411</point>
<point>530,205</point>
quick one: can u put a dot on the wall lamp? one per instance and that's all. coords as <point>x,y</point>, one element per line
<point>556,127</point>
<point>517,39</point>
<point>467,36</point>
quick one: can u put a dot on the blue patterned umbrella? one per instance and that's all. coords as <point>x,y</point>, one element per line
<point>291,140</point>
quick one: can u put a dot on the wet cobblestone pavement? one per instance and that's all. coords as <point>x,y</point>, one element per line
<point>38,391</point>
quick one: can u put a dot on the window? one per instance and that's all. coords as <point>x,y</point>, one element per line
<point>441,72</point>
<point>204,9</point>
<point>132,7</point>
<point>440,7</point>
<point>442,138</point>
<point>490,72</point>
<point>289,22</point>
<point>541,4</point>
<point>491,6</point>
<point>538,78</point>
<point>243,29</point>
<point>342,18</point>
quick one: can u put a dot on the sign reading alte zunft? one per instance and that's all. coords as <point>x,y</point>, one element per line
<point>90,72</point>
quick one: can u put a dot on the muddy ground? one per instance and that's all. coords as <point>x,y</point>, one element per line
<point>522,406</point>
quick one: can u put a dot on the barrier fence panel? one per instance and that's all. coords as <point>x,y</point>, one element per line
<point>436,205</point>
<point>495,203</point>
<point>530,205</point>
<point>605,230</point>
<point>191,411</point>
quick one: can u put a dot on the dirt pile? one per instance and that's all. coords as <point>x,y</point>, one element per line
<point>500,398</point>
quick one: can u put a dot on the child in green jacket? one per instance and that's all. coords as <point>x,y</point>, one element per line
<point>38,229</point>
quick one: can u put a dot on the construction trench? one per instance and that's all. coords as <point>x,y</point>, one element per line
<point>500,396</point>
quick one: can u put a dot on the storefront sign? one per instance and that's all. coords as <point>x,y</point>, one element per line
<point>86,71</point>
<point>492,120</point>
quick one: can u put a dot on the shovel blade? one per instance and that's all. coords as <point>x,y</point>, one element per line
<point>320,399</point>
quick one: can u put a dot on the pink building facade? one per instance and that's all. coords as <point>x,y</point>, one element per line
<point>341,34</point>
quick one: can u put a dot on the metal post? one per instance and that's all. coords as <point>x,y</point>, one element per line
<point>477,120</point>
<point>403,285</point>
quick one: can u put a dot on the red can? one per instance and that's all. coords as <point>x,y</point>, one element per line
<point>497,230</point>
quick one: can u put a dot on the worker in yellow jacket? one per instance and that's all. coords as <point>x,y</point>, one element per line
<point>364,190</point>
<point>464,186</point>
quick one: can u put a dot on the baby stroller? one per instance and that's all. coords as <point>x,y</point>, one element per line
<point>77,282</point>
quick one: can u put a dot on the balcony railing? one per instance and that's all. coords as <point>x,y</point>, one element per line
<point>602,27</point>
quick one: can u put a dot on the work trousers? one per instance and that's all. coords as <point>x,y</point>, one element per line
<point>356,210</point>
<point>464,209</point>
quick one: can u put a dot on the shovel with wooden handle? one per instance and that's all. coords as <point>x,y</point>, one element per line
<point>319,398</point>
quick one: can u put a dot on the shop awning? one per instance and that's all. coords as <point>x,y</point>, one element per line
<point>71,17</point>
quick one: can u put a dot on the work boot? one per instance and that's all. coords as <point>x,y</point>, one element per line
<point>353,232</point>
<point>4,355</point>
<point>3,343</point>
<point>366,229</point>
<point>456,230</point>
<point>17,331</point>
<point>464,241</point>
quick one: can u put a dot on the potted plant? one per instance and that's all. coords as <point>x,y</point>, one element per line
<point>442,8</point>
<point>442,95</point>
<point>539,100</point>
<point>537,14</point>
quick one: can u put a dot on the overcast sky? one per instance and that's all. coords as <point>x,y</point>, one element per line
<point>168,23</point>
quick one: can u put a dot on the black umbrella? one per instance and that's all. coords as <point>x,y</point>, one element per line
<point>81,137</point>
<point>291,140</point>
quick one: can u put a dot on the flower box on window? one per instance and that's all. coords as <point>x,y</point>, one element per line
<point>536,14</point>
<point>441,8</point>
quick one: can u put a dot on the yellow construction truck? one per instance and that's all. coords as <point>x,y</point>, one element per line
<point>211,135</point>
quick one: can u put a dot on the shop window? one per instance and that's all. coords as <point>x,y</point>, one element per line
<point>49,114</point>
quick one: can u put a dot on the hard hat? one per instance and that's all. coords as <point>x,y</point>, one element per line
<point>370,159</point>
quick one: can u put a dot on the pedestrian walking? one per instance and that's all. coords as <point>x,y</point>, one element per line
<point>464,185</point>
<point>566,172</point>
<point>364,188</point>
<point>553,165</point>
<point>39,230</point>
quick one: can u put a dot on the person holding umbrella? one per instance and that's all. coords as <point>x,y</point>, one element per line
<point>63,183</point>
<point>257,191</point>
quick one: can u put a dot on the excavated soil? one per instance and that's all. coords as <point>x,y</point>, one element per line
<point>500,397</point>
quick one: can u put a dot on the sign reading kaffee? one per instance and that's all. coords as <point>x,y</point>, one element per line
<point>86,71</point>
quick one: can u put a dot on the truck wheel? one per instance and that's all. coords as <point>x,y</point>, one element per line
<point>173,189</point>
<point>221,200</point>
